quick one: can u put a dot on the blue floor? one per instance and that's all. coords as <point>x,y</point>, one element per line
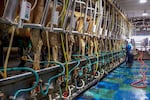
<point>116,85</point>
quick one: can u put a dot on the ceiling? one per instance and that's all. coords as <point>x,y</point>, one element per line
<point>134,10</point>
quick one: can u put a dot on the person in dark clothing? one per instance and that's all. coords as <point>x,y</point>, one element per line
<point>130,59</point>
<point>129,55</point>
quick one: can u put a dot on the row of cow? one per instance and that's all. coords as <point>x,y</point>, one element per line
<point>100,26</point>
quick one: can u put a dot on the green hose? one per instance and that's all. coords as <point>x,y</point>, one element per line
<point>28,89</point>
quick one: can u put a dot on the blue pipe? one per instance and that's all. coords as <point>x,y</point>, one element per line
<point>28,89</point>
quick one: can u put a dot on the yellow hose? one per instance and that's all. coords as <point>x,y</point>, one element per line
<point>9,49</point>
<point>2,74</point>
<point>63,13</point>
<point>96,46</point>
<point>62,9</point>
<point>66,61</point>
<point>8,52</point>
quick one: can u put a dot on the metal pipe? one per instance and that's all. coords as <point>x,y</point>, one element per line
<point>95,11</point>
<point>10,9</point>
<point>85,16</point>
<point>72,15</point>
<point>80,2</point>
<point>66,16</point>
<point>45,12</point>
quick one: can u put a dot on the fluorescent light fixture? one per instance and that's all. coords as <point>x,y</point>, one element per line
<point>145,14</point>
<point>143,1</point>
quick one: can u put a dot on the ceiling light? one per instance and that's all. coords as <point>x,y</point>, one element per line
<point>143,1</point>
<point>144,14</point>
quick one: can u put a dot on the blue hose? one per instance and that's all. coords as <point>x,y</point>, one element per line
<point>89,65</point>
<point>81,72</point>
<point>103,57</point>
<point>45,92</point>
<point>28,89</point>
<point>78,63</point>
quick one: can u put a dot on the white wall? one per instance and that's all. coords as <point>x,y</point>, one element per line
<point>138,40</point>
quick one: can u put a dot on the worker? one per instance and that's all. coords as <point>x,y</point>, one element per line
<point>129,55</point>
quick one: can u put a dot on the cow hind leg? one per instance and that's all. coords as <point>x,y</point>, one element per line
<point>37,46</point>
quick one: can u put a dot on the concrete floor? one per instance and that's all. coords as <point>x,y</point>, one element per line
<point>116,86</point>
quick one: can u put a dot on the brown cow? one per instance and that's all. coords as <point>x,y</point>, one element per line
<point>79,28</point>
<point>34,34</point>
<point>52,38</point>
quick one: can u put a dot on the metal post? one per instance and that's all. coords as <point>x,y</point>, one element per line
<point>85,16</point>
<point>72,15</point>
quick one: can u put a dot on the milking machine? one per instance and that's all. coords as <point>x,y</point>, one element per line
<point>77,38</point>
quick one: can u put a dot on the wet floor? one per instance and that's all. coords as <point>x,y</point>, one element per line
<point>116,85</point>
